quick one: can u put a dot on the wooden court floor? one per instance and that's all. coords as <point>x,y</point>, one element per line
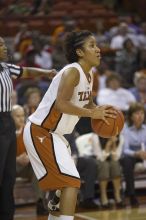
<point>28,213</point>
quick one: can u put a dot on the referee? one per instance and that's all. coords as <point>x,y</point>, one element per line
<point>7,129</point>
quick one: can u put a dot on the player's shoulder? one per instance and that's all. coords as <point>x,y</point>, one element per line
<point>72,74</point>
<point>71,69</point>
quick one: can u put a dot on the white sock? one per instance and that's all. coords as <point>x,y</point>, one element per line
<point>66,217</point>
<point>53,217</point>
<point>58,193</point>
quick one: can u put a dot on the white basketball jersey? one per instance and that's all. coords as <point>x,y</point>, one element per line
<point>48,117</point>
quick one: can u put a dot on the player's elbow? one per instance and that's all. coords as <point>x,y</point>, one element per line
<point>59,105</point>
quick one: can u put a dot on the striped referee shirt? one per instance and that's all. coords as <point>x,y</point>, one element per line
<point>6,84</point>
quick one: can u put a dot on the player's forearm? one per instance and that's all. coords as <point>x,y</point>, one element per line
<point>90,105</point>
<point>31,71</point>
<point>34,71</point>
<point>71,109</point>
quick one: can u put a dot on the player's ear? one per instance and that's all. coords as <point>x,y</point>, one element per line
<point>79,52</point>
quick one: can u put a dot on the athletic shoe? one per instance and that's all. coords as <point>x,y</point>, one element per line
<point>52,206</point>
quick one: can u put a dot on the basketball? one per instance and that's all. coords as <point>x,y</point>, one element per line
<point>114,128</point>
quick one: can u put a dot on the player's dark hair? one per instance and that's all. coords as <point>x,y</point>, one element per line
<point>73,41</point>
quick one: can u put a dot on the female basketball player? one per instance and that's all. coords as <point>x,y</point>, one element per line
<point>67,99</point>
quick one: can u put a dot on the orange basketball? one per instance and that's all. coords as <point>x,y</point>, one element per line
<point>106,131</point>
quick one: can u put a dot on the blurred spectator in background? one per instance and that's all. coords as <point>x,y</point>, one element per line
<point>100,34</point>
<point>142,60</point>
<point>27,61</point>
<point>102,78</point>
<point>33,97</point>
<point>42,58</point>
<point>18,115</point>
<point>114,29</point>
<point>22,40</point>
<point>14,98</point>
<point>133,21</point>
<point>58,57</point>
<point>142,37</point>
<point>126,62</point>
<point>134,150</point>
<point>23,85</point>
<point>41,7</point>
<point>23,166</point>
<point>86,164</point>
<point>102,73</point>
<point>114,94</point>
<point>29,58</point>
<point>139,91</point>
<point>108,153</point>
<point>119,38</point>
<point>41,82</point>
<point>68,24</point>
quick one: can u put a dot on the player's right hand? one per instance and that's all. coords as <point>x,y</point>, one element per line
<point>103,112</point>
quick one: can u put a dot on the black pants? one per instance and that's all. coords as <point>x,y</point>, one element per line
<point>128,164</point>
<point>87,168</point>
<point>7,166</point>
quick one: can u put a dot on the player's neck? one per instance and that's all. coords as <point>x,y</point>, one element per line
<point>86,68</point>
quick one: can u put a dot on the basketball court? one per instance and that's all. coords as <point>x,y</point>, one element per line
<point>26,209</point>
<point>28,213</point>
